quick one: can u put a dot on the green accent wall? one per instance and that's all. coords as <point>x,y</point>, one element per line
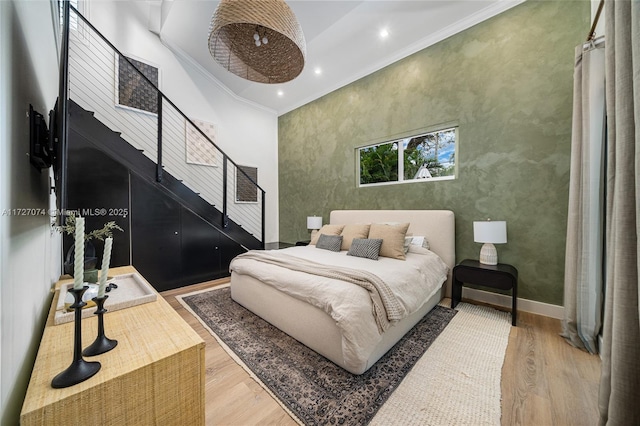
<point>508,83</point>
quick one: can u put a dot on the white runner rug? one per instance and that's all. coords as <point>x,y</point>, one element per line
<point>457,381</point>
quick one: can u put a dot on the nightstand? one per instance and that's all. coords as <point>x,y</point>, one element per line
<point>501,276</point>
<point>303,243</point>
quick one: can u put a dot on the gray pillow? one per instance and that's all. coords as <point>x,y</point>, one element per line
<point>365,247</point>
<point>329,242</point>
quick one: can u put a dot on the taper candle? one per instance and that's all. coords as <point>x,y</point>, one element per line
<point>106,260</point>
<point>78,265</point>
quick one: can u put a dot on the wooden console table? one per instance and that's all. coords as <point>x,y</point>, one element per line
<point>154,376</point>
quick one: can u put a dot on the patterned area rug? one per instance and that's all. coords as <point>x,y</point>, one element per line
<point>313,389</point>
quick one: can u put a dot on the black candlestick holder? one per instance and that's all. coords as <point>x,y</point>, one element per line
<point>102,343</point>
<point>79,370</point>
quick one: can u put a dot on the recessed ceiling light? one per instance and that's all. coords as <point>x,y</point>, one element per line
<point>384,33</point>
<point>318,70</point>
<point>280,93</point>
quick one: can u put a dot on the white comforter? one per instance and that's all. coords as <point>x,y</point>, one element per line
<point>413,281</point>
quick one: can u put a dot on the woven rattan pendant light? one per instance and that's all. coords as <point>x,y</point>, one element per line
<point>259,40</point>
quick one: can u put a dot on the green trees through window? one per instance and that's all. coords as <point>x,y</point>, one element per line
<point>379,163</point>
<point>429,156</point>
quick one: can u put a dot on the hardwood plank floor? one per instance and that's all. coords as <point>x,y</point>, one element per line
<point>545,381</point>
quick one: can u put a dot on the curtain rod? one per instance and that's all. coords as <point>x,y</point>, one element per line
<point>592,32</point>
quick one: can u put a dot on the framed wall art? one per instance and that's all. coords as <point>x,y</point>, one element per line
<point>246,190</point>
<point>199,149</point>
<point>131,89</point>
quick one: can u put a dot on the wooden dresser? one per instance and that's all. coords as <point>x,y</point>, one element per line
<point>155,375</point>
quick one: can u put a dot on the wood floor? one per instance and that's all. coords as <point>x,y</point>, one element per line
<point>545,381</point>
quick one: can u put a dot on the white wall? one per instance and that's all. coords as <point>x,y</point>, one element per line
<point>28,75</point>
<point>246,133</point>
<point>29,251</point>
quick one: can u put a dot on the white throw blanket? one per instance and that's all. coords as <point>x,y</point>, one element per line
<point>412,282</point>
<point>386,307</point>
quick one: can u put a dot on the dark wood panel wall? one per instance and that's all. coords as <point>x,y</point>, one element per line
<point>168,243</point>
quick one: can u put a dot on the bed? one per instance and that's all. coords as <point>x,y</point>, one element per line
<point>351,341</point>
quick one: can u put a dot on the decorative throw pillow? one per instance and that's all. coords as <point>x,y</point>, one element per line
<point>367,248</point>
<point>392,237</point>
<point>407,243</point>
<point>329,242</point>
<point>420,241</point>
<point>327,230</point>
<point>353,231</point>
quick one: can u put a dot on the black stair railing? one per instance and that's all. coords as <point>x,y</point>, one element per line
<point>62,109</point>
<point>89,65</point>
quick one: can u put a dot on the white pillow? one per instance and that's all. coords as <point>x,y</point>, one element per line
<point>407,243</point>
<point>419,241</point>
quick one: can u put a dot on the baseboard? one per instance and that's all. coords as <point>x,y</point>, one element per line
<point>503,300</point>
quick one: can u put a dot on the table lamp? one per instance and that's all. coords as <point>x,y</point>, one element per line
<point>489,232</point>
<point>314,223</point>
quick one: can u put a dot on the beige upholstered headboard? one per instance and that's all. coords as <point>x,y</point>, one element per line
<point>437,225</point>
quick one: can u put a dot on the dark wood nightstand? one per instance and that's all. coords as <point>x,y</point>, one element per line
<point>501,276</point>
<point>303,243</point>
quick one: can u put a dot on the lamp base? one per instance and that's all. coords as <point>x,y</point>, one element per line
<point>488,254</point>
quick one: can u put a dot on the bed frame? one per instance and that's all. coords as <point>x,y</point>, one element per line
<point>315,328</point>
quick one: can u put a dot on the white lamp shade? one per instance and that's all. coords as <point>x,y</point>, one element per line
<point>494,232</point>
<point>314,222</point>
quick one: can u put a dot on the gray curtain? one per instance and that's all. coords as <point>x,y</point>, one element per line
<point>583,257</point>
<point>620,382</point>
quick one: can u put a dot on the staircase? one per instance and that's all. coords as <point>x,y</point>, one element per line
<point>180,227</point>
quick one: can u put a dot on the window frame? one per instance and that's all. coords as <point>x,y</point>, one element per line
<point>399,139</point>
<point>76,25</point>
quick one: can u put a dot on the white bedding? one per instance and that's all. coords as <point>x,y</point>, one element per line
<point>413,281</point>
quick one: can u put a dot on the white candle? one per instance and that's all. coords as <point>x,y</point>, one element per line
<point>78,265</point>
<point>106,259</point>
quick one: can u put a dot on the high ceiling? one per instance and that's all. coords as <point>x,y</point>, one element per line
<point>344,41</point>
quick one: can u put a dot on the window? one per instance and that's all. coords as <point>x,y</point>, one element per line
<point>76,23</point>
<point>424,157</point>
